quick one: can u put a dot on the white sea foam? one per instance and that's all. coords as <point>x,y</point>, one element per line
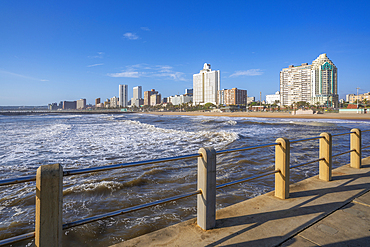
<point>95,140</point>
<point>93,186</point>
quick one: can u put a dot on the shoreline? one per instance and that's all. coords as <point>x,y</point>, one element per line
<point>344,116</point>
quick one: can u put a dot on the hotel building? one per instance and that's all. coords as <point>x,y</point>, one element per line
<point>206,85</point>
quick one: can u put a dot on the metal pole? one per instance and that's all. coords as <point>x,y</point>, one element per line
<point>357,98</point>
<point>260,101</point>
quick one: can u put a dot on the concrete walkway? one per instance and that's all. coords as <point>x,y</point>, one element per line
<point>318,213</point>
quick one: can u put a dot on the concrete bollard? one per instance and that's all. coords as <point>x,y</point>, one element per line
<point>206,202</point>
<point>49,202</point>
<point>325,166</point>
<point>282,162</point>
<point>356,145</point>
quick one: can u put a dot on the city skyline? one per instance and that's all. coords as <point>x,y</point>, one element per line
<point>70,50</point>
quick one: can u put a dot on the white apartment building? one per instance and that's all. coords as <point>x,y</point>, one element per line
<point>272,98</point>
<point>123,95</point>
<point>295,84</point>
<point>137,96</point>
<point>114,102</point>
<point>205,86</point>
<point>180,99</point>
<point>250,100</point>
<point>81,104</point>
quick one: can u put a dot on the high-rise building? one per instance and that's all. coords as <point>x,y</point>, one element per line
<point>205,85</point>
<point>137,97</point>
<point>189,91</point>
<point>97,101</point>
<point>69,105</point>
<point>81,104</point>
<point>295,84</point>
<point>232,96</point>
<point>315,84</point>
<point>147,95</point>
<point>114,102</point>
<point>123,95</point>
<point>155,99</point>
<point>324,82</point>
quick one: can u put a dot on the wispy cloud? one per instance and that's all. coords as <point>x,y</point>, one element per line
<point>129,74</point>
<point>100,55</point>
<point>145,28</point>
<point>21,76</point>
<point>131,36</point>
<point>93,65</point>
<point>144,70</point>
<point>250,72</point>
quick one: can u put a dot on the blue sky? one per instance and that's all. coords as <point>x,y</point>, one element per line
<point>66,50</point>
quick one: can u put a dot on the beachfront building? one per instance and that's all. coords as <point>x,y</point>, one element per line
<point>324,82</point>
<point>250,99</point>
<point>361,98</point>
<point>81,104</point>
<point>232,96</point>
<point>147,95</point>
<point>273,98</point>
<point>137,98</point>
<point>114,102</point>
<point>295,84</point>
<point>69,105</point>
<point>180,99</point>
<point>205,85</point>
<point>155,99</point>
<point>123,95</point>
<point>316,83</point>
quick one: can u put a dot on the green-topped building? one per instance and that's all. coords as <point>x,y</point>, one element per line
<point>315,83</point>
<point>324,82</point>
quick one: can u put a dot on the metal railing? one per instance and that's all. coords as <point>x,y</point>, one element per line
<point>206,183</point>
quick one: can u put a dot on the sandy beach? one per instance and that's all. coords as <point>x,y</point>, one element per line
<point>348,116</point>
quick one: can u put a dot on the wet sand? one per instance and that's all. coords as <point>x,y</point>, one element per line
<point>349,116</point>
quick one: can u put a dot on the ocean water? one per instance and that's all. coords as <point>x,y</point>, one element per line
<point>81,141</point>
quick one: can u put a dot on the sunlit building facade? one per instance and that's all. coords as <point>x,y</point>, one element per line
<point>316,84</point>
<point>123,95</point>
<point>205,86</point>
<point>324,82</point>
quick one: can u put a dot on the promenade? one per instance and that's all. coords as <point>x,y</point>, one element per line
<point>317,213</point>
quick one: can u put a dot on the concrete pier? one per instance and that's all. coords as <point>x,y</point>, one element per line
<point>317,213</point>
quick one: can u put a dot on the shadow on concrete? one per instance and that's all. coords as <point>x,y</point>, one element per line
<point>322,210</point>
